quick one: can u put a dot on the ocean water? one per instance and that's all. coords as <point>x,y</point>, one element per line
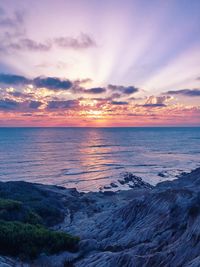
<point>89,158</point>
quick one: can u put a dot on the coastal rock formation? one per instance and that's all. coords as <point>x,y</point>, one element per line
<point>143,226</point>
<point>128,181</point>
<point>155,227</point>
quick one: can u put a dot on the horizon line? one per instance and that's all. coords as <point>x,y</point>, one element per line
<point>186,126</point>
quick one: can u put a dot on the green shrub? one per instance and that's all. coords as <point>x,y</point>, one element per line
<point>12,210</point>
<point>32,218</point>
<point>47,204</point>
<point>28,241</point>
<point>48,213</point>
<point>9,204</point>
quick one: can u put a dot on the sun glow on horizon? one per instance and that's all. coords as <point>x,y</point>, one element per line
<point>107,63</point>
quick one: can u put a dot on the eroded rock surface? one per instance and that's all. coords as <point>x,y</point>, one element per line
<point>150,227</point>
<point>143,226</point>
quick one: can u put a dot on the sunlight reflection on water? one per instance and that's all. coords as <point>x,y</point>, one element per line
<point>88,158</point>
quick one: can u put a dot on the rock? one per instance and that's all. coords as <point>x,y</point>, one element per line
<point>88,245</point>
<point>144,226</point>
<point>107,187</point>
<point>128,177</point>
<point>159,227</point>
<point>60,260</point>
<point>113,185</point>
<point>122,182</point>
<point>5,262</point>
<point>134,181</point>
<point>10,262</point>
<point>161,174</point>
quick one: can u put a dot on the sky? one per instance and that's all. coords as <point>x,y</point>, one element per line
<point>105,63</point>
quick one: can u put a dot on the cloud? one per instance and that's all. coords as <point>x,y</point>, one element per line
<point>157,101</point>
<point>82,81</point>
<point>97,90</point>
<point>83,41</point>
<point>10,79</point>
<point>154,105</point>
<point>76,88</point>
<point>128,90</point>
<point>52,83</point>
<point>7,104</point>
<point>115,95</point>
<point>13,37</point>
<point>186,92</point>
<point>65,104</point>
<point>13,41</point>
<point>13,105</point>
<point>20,94</point>
<point>119,103</point>
<point>35,104</point>
<point>11,22</point>
<point>30,45</point>
<point>27,115</point>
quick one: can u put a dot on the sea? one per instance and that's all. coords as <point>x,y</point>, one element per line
<point>90,158</point>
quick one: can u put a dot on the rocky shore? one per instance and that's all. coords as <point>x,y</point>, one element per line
<point>144,226</point>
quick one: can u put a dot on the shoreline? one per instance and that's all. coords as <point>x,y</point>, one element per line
<point>121,183</point>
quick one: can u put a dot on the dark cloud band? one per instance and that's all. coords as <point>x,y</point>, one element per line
<point>97,90</point>
<point>128,90</point>
<point>9,79</point>
<point>51,83</point>
<point>186,92</point>
<point>67,104</point>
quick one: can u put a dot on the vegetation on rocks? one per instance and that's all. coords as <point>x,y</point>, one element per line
<point>28,241</point>
<point>12,210</point>
<point>9,204</point>
<point>26,212</point>
<point>45,203</point>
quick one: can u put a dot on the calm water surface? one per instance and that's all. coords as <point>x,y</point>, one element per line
<point>88,158</point>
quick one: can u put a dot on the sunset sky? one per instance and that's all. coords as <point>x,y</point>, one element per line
<point>100,63</point>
